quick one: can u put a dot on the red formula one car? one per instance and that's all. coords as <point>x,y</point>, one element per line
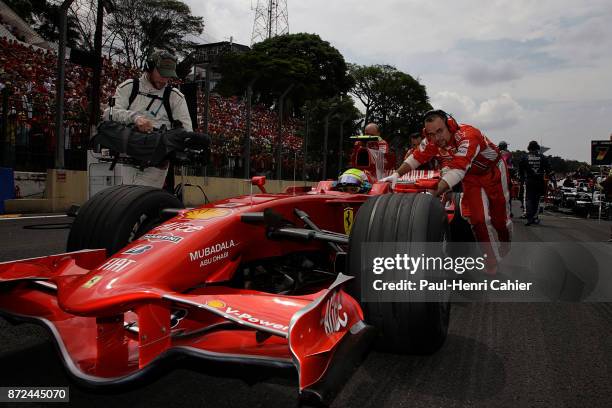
<point>260,279</point>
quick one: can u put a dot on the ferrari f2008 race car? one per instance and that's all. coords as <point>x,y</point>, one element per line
<point>264,279</point>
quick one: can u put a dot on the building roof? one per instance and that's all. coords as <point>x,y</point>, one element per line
<point>28,33</point>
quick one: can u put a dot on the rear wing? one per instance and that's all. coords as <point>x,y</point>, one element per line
<point>366,138</point>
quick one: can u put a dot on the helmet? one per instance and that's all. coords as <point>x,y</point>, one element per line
<point>503,145</point>
<point>353,181</point>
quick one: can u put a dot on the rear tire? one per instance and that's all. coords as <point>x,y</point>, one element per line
<point>405,327</point>
<point>118,215</point>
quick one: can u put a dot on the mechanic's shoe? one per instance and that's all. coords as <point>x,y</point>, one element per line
<point>529,223</point>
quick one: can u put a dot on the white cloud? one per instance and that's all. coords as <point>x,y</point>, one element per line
<point>496,113</point>
<point>493,56</point>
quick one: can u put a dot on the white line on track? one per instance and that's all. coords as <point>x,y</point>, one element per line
<point>33,217</point>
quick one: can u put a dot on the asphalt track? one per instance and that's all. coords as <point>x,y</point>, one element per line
<point>496,355</point>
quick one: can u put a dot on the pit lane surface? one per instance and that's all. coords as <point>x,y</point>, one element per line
<point>497,354</point>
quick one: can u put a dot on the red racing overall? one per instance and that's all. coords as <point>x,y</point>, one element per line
<point>472,158</point>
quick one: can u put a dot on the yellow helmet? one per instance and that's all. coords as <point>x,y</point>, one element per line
<point>353,181</point>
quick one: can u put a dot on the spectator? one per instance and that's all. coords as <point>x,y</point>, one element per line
<point>533,167</point>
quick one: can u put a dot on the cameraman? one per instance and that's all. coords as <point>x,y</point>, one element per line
<point>150,102</point>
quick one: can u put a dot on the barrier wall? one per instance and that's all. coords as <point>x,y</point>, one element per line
<point>65,188</point>
<point>30,184</point>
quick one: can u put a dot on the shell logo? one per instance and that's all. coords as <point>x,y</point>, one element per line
<point>206,213</point>
<point>217,304</point>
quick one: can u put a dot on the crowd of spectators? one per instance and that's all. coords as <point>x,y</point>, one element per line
<point>227,128</point>
<point>11,29</point>
<point>29,73</point>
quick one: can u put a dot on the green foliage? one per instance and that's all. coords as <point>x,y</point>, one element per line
<point>392,99</point>
<point>339,110</point>
<point>315,68</point>
<point>140,26</point>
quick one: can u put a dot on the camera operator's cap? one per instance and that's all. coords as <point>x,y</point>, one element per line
<point>165,63</point>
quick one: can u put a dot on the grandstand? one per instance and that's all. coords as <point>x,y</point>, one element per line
<point>29,75</point>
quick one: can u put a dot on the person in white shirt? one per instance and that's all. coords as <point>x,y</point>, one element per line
<point>150,102</point>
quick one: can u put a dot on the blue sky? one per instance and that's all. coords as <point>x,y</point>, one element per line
<point>520,70</point>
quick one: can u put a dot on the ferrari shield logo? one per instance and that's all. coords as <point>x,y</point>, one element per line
<point>206,213</point>
<point>348,219</point>
<point>92,282</point>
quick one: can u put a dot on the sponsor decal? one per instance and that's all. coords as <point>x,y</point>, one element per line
<point>602,153</point>
<point>162,238</point>
<point>230,205</point>
<point>116,264</point>
<point>180,226</point>
<point>92,282</point>
<point>246,317</point>
<point>216,304</point>
<point>333,318</point>
<point>462,149</point>
<point>137,250</point>
<point>349,216</point>
<point>206,213</point>
<point>212,253</point>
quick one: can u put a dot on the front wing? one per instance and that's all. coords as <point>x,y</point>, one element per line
<point>322,334</point>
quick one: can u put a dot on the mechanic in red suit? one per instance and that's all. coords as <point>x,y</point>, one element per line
<point>468,156</point>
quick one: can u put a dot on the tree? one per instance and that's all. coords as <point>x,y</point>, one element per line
<point>136,27</point>
<point>391,98</point>
<point>315,68</point>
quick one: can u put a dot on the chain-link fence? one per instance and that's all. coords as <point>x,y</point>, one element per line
<point>27,134</point>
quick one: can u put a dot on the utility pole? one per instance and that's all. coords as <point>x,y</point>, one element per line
<point>341,142</point>
<point>305,142</point>
<point>247,139</point>
<point>279,142</point>
<point>59,87</point>
<point>95,83</point>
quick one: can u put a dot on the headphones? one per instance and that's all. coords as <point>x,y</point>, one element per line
<point>155,57</point>
<point>451,123</point>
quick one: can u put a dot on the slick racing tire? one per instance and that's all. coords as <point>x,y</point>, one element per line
<point>405,327</point>
<point>117,215</point>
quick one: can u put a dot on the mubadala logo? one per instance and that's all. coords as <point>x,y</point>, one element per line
<point>211,250</point>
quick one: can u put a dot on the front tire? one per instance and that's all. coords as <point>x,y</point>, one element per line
<point>405,327</point>
<point>118,215</point>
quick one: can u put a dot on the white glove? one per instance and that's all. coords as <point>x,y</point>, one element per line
<point>391,179</point>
